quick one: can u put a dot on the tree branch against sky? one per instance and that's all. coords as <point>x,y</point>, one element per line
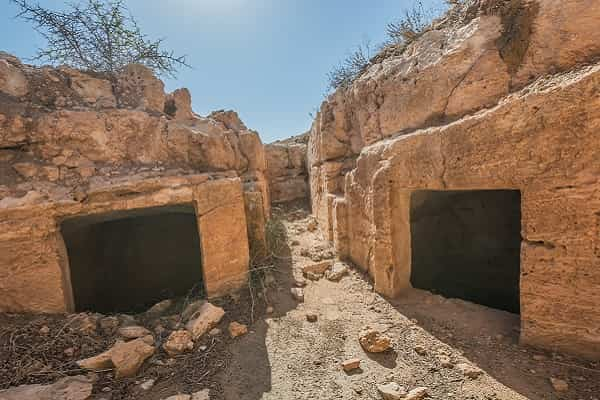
<point>96,35</point>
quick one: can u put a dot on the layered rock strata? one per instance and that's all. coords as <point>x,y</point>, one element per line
<point>74,143</point>
<point>286,169</point>
<point>496,95</point>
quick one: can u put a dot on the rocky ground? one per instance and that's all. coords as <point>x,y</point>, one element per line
<point>440,348</point>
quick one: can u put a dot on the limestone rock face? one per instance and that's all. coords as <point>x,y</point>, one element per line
<point>179,104</point>
<point>286,169</point>
<point>12,80</point>
<point>492,98</point>
<point>74,143</point>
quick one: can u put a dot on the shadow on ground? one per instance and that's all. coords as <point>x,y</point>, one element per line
<point>490,339</point>
<point>248,374</point>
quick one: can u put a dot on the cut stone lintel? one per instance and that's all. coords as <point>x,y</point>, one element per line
<point>34,267</point>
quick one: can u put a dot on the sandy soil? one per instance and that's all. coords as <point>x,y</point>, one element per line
<point>287,357</point>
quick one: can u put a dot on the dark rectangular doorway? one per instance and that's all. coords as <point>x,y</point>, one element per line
<point>126,261</point>
<point>466,244</point>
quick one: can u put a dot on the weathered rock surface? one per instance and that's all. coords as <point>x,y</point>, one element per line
<point>492,98</point>
<point>178,342</point>
<point>337,272</point>
<point>286,169</point>
<point>133,332</point>
<point>351,364</point>
<point>129,357</point>
<point>74,143</point>
<point>236,329</point>
<point>69,388</point>
<point>374,341</point>
<point>125,357</point>
<point>391,391</point>
<point>205,319</point>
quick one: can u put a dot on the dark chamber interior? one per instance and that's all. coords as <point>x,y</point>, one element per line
<point>466,244</point>
<point>128,260</point>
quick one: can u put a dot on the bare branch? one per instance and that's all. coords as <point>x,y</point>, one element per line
<point>97,35</point>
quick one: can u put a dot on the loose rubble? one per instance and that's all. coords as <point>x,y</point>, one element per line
<point>374,341</point>
<point>178,342</point>
<point>351,364</point>
<point>391,391</point>
<point>203,320</point>
<point>236,329</point>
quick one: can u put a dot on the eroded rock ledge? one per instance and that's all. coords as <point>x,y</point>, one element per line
<point>74,144</point>
<point>499,95</point>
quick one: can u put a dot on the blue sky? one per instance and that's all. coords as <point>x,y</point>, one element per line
<point>266,59</point>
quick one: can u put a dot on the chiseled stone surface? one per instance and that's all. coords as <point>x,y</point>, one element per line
<point>286,169</point>
<point>73,144</point>
<point>492,98</point>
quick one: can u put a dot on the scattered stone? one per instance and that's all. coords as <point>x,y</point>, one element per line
<point>147,385</point>
<point>559,385</point>
<point>85,323</point>
<point>128,357</point>
<point>44,330</point>
<point>446,361</point>
<point>125,357</point>
<point>236,329</point>
<point>178,342</point>
<point>539,357</point>
<point>206,318</point>
<point>313,276</point>
<point>300,282</point>
<point>69,352</point>
<point>295,243</point>
<point>99,362</point>
<point>374,341</point>
<point>109,324</point>
<point>179,397</point>
<point>269,310</point>
<point>71,388</point>
<point>133,332</point>
<point>191,309</point>
<point>391,391</point>
<point>420,350</point>
<point>337,272</point>
<point>311,225</point>
<point>160,308</point>
<point>351,364</point>
<point>469,370</point>
<point>201,395</point>
<point>317,268</point>
<point>416,394</point>
<point>311,317</point>
<point>202,348</point>
<point>297,294</point>
<point>214,332</point>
